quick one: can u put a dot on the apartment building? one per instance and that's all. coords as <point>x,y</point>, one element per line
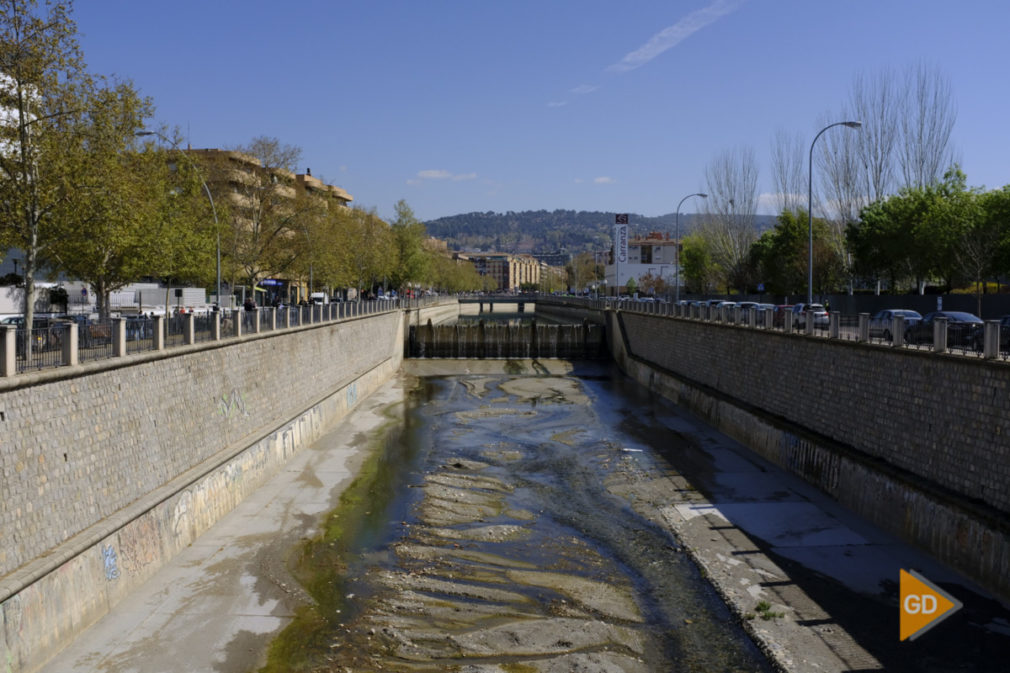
<point>255,195</point>
<point>507,271</point>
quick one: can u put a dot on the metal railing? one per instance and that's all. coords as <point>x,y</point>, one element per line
<point>940,336</point>
<point>52,345</point>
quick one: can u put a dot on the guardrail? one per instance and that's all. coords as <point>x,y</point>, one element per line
<point>988,340</point>
<point>67,342</point>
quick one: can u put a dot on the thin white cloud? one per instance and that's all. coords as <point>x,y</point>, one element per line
<point>603,180</point>
<point>583,89</point>
<point>439,174</point>
<point>560,103</point>
<point>673,35</point>
<point>768,203</point>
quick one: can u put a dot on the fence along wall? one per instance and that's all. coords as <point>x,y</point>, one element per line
<point>110,468</point>
<point>915,441</point>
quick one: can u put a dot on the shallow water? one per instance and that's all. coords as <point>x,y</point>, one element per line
<point>484,537</point>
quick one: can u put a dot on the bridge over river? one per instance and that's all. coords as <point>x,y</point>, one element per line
<point>500,514</point>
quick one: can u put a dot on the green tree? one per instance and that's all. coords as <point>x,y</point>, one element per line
<point>412,260</point>
<point>369,243</point>
<point>700,273</point>
<point>127,218</point>
<point>781,256</point>
<point>995,211</point>
<point>920,234</point>
<point>40,90</point>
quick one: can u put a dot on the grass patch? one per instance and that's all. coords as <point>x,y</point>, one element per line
<point>320,564</point>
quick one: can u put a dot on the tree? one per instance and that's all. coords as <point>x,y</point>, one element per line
<point>369,242</point>
<point>117,227</point>
<point>412,260</point>
<point>653,285</point>
<point>701,273</point>
<point>918,233</point>
<point>42,76</point>
<point>582,271</point>
<point>927,119</point>
<point>270,213</point>
<point>995,211</point>
<point>788,163</point>
<point>730,207</point>
<point>876,101</point>
<point>906,124</point>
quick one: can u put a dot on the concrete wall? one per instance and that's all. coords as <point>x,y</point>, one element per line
<point>110,469</point>
<point>916,442</point>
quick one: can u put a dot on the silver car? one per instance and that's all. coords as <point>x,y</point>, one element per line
<point>881,322</point>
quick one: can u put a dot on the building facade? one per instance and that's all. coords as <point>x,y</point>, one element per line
<point>505,271</point>
<point>264,201</point>
<point>654,255</point>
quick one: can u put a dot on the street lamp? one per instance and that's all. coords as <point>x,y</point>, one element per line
<point>704,196</point>
<point>213,210</point>
<point>810,208</point>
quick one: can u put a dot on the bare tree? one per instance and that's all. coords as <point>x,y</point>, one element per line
<point>730,208</point>
<point>272,154</point>
<point>841,173</point>
<point>927,119</point>
<point>788,163</point>
<point>876,101</point>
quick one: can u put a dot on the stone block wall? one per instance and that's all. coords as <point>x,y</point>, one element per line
<point>110,468</point>
<point>915,442</point>
<point>945,418</point>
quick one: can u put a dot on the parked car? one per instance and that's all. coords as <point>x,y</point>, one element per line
<point>881,322</point>
<point>89,333</point>
<point>800,310</point>
<point>780,314</point>
<point>964,330</point>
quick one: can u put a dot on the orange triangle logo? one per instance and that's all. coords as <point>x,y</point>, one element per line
<point>923,605</point>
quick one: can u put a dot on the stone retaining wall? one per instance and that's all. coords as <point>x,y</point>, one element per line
<point>916,442</point>
<point>110,469</point>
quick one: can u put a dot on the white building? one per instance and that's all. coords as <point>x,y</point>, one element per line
<point>655,255</point>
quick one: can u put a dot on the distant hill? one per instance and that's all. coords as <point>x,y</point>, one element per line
<point>541,231</point>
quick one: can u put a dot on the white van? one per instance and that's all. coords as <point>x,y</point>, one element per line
<point>319,298</point>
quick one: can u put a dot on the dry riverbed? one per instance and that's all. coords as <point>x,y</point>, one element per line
<point>513,556</point>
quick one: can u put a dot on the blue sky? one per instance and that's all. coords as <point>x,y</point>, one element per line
<point>476,105</point>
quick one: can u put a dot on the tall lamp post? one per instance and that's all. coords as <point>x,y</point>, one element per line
<point>810,207</point>
<point>677,282</point>
<point>213,210</point>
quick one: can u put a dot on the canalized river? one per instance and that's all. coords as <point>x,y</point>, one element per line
<point>497,529</point>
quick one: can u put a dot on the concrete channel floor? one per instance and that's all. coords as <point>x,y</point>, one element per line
<point>758,533</point>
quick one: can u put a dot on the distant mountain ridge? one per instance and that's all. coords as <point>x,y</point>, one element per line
<point>542,231</point>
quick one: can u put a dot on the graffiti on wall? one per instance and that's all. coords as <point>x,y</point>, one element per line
<point>352,395</point>
<point>139,544</point>
<point>232,404</point>
<point>111,562</point>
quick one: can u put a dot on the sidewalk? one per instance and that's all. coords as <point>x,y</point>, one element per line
<point>216,606</point>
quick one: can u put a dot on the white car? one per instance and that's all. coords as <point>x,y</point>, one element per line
<point>821,318</point>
